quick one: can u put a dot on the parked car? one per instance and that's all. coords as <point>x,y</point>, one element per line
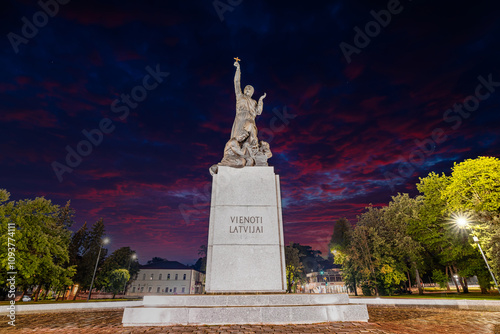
<point>26,298</point>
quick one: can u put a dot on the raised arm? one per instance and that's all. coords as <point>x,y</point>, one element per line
<point>260,104</point>
<point>237,79</point>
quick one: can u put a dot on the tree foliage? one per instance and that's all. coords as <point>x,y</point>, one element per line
<point>396,244</point>
<point>293,266</point>
<point>84,248</point>
<point>122,258</point>
<point>156,259</point>
<point>117,280</point>
<point>41,242</point>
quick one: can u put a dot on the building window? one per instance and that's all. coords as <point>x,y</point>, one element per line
<point>184,277</point>
<point>158,289</point>
<point>133,289</point>
<point>166,289</point>
<point>176,277</point>
<point>150,288</point>
<point>143,277</point>
<point>159,277</point>
<point>151,278</point>
<point>175,290</point>
<point>183,290</point>
<point>142,289</point>
<point>168,276</point>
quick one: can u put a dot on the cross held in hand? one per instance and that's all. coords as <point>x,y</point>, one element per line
<point>237,59</point>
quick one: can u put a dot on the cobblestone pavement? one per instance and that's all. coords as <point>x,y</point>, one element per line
<point>393,320</point>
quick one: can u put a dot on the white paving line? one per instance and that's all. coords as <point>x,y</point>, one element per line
<point>69,306</point>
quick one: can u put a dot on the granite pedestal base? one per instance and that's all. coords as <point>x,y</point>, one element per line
<point>243,309</point>
<point>245,238</point>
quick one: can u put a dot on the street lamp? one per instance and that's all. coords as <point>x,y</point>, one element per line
<point>104,242</point>
<point>464,223</point>
<point>132,257</point>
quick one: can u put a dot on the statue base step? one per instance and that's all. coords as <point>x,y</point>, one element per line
<point>243,309</point>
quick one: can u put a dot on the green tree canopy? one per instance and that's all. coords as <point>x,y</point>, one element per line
<point>293,266</point>
<point>117,280</point>
<point>122,258</point>
<point>42,238</point>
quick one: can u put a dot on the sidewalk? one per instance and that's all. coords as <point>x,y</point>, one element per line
<point>383,320</point>
<point>467,304</point>
<point>26,307</point>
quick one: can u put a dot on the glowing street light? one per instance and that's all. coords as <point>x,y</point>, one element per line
<point>464,223</point>
<point>132,257</point>
<point>103,242</point>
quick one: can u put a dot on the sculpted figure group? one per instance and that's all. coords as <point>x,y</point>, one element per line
<point>244,147</point>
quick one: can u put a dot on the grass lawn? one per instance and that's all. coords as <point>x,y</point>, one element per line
<point>443,294</point>
<point>6,302</point>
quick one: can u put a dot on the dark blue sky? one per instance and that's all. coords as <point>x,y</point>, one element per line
<point>343,131</point>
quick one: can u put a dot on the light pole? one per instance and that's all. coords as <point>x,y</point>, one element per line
<point>103,242</point>
<point>132,257</point>
<point>462,222</point>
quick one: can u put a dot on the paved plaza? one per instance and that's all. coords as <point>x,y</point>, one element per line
<point>383,319</point>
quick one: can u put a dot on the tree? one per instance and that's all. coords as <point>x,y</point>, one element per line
<point>202,251</point>
<point>474,185</point>
<point>311,259</point>
<point>201,263</point>
<point>84,249</point>
<point>42,236</point>
<point>341,234</point>
<point>378,253</point>
<point>119,259</point>
<point>116,280</point>
<point>474,189</point>
<point>156,259</point>
<point>449,247</point>
<point>399,244</point>
<point>339,245</point>
<point>293,266</point>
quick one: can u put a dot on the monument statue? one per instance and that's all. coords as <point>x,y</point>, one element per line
<point>246,278</point>
<point>244,148</point>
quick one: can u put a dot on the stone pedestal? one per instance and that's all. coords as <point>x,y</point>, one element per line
<point>245,251</point>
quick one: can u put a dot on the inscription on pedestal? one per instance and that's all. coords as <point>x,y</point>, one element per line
<point>246,224</point>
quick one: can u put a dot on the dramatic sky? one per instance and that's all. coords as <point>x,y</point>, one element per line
<point>345,113</point>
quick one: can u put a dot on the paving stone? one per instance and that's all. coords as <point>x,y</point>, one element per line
<point>383,320</point>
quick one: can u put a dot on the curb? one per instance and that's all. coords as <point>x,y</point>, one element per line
<point>70,306</point>
<point>483,305</point>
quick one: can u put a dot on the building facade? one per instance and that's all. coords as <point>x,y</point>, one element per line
<point>328,281</point>
<point>167,277</point>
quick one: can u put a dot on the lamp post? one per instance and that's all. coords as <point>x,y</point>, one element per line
<point>132,257</point>
<point>462,222</point>
<point>103,242</point>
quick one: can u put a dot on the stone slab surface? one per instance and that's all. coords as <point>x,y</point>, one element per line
<point>165,316</point>
<point>245,268</point>
<point>244,309</point>
<point>229,183</point>
<point>245,300</point>
<point>245,250</point>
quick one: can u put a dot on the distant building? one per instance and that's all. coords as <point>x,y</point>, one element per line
<point>328,281</point>
<point>167,277</point>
